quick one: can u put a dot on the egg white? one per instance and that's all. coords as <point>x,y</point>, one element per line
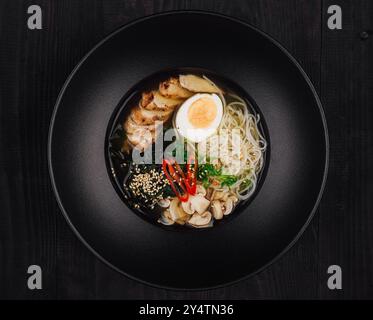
<point>187,130</point>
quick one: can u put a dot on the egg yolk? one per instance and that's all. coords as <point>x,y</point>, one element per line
<point>202,113</point>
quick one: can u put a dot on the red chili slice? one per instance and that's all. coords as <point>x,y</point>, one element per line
<point>191,181</point>
<point>177,177</point>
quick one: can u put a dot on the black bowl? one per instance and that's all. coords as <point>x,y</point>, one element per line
<point>296,168</point>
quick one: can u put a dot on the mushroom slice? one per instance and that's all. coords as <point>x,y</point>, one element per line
<point>228,206</point>
<point>234,198</point>
<point>165,218</point>
<point>171,88</point>
<point>225,197</point>
<point>187,207</point>
<point>201,190</point>
<point>199,203</point>
<point>155,101</point>
<point>164,203</point>
<point>218,195</point>
<point>210,193</point>
<point>217,210</point>
<point>200,220</point>
<point>176,212</point>
<point>197,84</point>
<point>182,220</point>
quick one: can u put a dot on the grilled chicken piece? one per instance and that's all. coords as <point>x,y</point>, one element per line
<point>139,136</point>
<point>142,138</point>
<point>197,84</point>
<point>130,126</point>
<point>153,100</point>
<point>142,116</point>
<point>154,108</point>
<point>171,88</point>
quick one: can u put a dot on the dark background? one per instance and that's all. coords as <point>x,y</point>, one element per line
<point>33,67</point>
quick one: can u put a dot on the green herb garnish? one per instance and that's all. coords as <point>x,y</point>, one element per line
<point>208,170</point>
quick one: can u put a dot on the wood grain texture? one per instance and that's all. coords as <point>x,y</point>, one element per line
<point>34,66</point>
<point>346,220</point>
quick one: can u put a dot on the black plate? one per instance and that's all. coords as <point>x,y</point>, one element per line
<point>296,168</point>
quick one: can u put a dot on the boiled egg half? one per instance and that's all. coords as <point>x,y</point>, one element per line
<point>199,116</point>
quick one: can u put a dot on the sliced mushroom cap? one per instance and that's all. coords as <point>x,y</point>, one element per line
<point>201,190</point>
<point>225,197</point>
<point>199,203</point>
<point>228,206</point>
<point>180,221</point>
<point>210,193</point>
<point>217,210</point>
<point>164,203</point>
<point>233,198</point>
<point>187,206</point>
<point>218,195</point>
<point>176,212</point>
<point>165,218</point>
<point>199,220</point>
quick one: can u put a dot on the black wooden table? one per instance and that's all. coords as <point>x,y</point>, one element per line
<point>35,63</point>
